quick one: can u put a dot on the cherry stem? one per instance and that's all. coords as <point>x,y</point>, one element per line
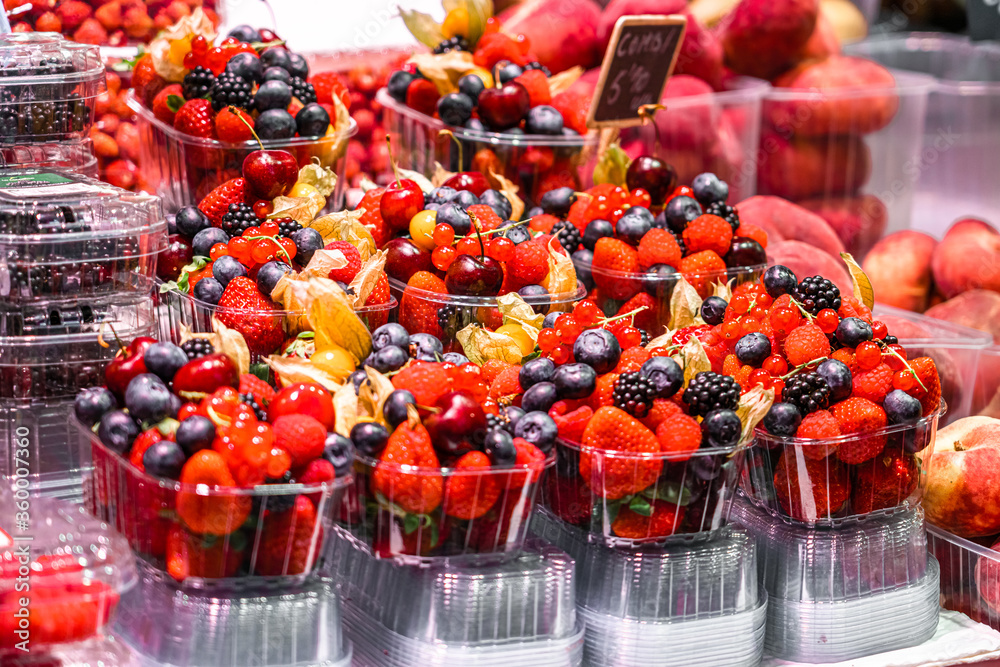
<point>475,225</point>
<point>392,161</point>
<point>800,367</point>
<point>121,345</point>
<point>498,230</point>
<point>805,313</point>
<point>647,112</point>
<point>449,133</point>
<point>237,113</point>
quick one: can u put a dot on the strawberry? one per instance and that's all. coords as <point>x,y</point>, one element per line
<point>616,474</point>
<point>537,85</point>
<point>203,556</point>
<point>701,269</point>
<point>926,370</point>
<point>394,535</point>
<point>859,415</point>
<point>471,490</point>
<point>216,513</point>
<point>73,13</point>
<point>61,612</point>
<point>243,308</point>
<point>805,343</point>
<point>417,314</point>
<point>884,482</point>
<point>708,232</point>
<point>613,263</point>
<point>164,108</point>
<point>328,84</point>
<point>416,492</point>
<point>658,246</point>
<point>648,319</point>
<point>748,231</point>
<point>372,216</point>
<point>195,118</point>
<point>874,383</point>
<point>492,531</point>
<point>818,425</point>
<point>530,457</point>
<point>144,441</point>
<point>302,436</point>
<point>632,359</point>
<point>422,95</point>
<point>662,520</point>
<point>810,489</point>
<point>288,543</point>
<point>216,203</point>
<point>680,436</point>
<point>570,419</point>
<point>427,381</point>
<point>492,369</point>
<point>145,81</point>
<point>379,296</point>
<point>507,383</point>
<point>253,385</point>
<point>234,127</point>
<point>661,410</point>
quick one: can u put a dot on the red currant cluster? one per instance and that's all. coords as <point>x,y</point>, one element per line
<point>556,342</point>
<point>448,247</point>
<point>257,245</point>
<point>215,58</point>
<point>609,202</point>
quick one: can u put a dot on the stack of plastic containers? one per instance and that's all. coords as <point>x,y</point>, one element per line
<point>77,259</point>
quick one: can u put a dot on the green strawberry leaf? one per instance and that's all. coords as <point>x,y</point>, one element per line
<point>197,263</point>
<point>640,505</point>
<point>175,102</point>
<point>610,510</point>
<point>261,370</point>
<point>411,523</point>
<point>533,355</point>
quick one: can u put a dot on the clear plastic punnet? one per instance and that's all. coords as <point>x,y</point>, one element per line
<point>970,575</point>
<point>48,87</point>
<point>63,235</point>
<point>75,567</point>
<point>76,156</point>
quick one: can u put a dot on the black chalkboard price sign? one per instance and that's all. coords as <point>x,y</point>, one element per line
<point>639,59</point>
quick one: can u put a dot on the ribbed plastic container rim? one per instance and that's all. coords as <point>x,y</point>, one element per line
<point>728,273</point>
<point>443,471</point>
<point>656,456</point>
<point>95,72</point>
<point>851,437</point>
<point>486,301</point>
<point>145,318</point>
<point>364,310</point>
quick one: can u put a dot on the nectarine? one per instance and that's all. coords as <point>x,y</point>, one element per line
<point>968,257</point>
<point>962,494</point>
<point>899,267</point>
<point>817,167</point>
<point>782,219</point>
<point>763,38</point>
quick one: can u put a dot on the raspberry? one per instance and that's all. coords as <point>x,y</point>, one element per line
<point>634,394</point>
<point>574,105</point>
<point>543,223</point>
<point>422,95</point>
<point>372,216</point>
<point>494,47</point>
<point>701,269</point>
<point>754,232</point>
<point>486,217</point>
<point>872,384</point>
<point>251,384</point>
<point>845,355</point>
<point>679,434</point>
<point>709,391</point>
<point>808,392</point>
<point>851,307</point>
<point>604,391</point>
<point>345,274</point>
<point>859,415</point>
<point>492,368</point>
<point>927,372</point>
<point>507,383</point>
<point>708,232</point>
<point>570,420</point>
<point>328,84</point>
<point>614,430</point>
<point>818,425</point>
<point>645,320</point>
<point>614,262</point>
<point>632,359</point>
<point>530,264</point>
<point>817,492</point>
<point>661,410</point>
<point>537,85</point>
<point>302,436</point>
<point>416,313</point>
<point>658,246</point>
<point>805,343</point>
<point>816,293</point>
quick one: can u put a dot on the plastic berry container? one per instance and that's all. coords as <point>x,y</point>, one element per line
<point>634,500</point>
<point>64,235</point>
<point>970,575</point>
<point>833,481</point>
<point>179,311</point>
<point>204,536</point>
<point>66,568</point>
<point>424,515</point>
<point>75,156</point>
<point>182,169</point>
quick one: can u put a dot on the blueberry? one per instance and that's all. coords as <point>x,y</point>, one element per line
<point>226,268</point>
<point>544,119</point>
<point>499,446</point>
<point>753,348</point>
<point>93,403</point>
<point>558,202</point>
<point>455,108</point>
<point>272,94</point>
<point>507,71</point>
<point>539,397</point>
<point>269,274</point>
<point>394,409</point>
<point>583,261</point>
<point>456,358</point>
<point>533,290</point>
<point>574,381</point>
<point>665,374</point>
<point>117,430</point>
<point>275,123</point>
<point>390,334</point>
<point>660,221</point>
<point>147,398</point>
<point>307,241</point>
<point>369,438</point>
<point>452,213</point>
<point>244,33</point>
<point>838,377</point>
<point>164,459</point>
<point>709,189</point>
<point>203,241</point>
<point>513,415</point>
<point>312,120</point>
<point>399,82</point>
<point>539,429</point>
<point>782,419</point>
<point>532,212</point>
<point>357,378</point>
<point>208,290</point>
<point>432,206</point>
<point>852,331</point>
<point>745,252</point>
<point>598,348</point>
<point>465,199</point>
<point>247,66</point>
<point>550,320</point>
<point>640,211</point>
<point>443,194</point>
<point>339,452</point>
<point>596,229</point>
<point>297,65</point>
<point>901,408</point>
<point>277,57</point>
<point>779,280</point>
<point>721,428</point>
<point>175,406</point>
<point>389,358</point>
<point>471,85</point>
<point>475,125</point>
<point>713,310</point>
<point>190,221</point>
<point>498,202</point>
<point>427,347</point>
<point>659,281</point>
<point>706,468</point>
<point>195,433</point>
<point>277,74</point>
<point>632,227</point>
<point>518,234</point>
<point>681,210</point>
<point>535,371</point>
<point>164,359</point>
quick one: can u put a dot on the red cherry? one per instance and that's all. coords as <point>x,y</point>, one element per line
<point>126,365</point>
<point>401,200</point>
<point>403,258</point>
<point>504,107</point>
<point>460,416</point>
<point>174,257</point>
<point>303,398</point>
<point>204,375</point>
<point>474,276</point>
<point>472,181</point>
<point>270,174</point>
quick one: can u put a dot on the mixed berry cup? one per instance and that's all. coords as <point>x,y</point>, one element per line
<point>830,481</point>
<point>632,499</point>
<point>429,515</point>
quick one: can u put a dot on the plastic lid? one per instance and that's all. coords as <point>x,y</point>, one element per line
<point>47,57</point>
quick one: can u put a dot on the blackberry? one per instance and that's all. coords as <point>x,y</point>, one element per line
<point>254,404</point>
<point>710,391</point>
<point>280,502</point>
<point>680,242</point>
<point>230,89</point>
<point>239,218</point>
<point>497,421</point>
<point>634,394</point>
<point>198,83</point>
<point>645,337</point>
<point>816,293</point>
<point>453,318</point>
<point>568,235</point>
<point>537,65</point>
<point>303,90</point>
<point>198,347</point>
<point>287,226</point>
<point>726,212</point>
<point>890,340</point>
<point>808,392</point>
<point>454,44</point>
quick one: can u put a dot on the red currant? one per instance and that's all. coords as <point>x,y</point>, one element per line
<point>443,256</point>
<point>879,330</point>
<point>785,319</point>
<point>568,328</point>
<point>827,320</point>
<point>587,312</point>
<point>561,355</point>
<point>548,340</point>
<point>468,246</point>
<point>761,377</point>
<point>500,249</point>
<point>251,231</point>
<point>199,45</point>
<point>775,365</point>
<point>262,209</point>
<point>740,304</point>
<point>443,234</point>
<point>629,337</point>
<point>904,380</point>
<point>896,363</point>
<point>288,246</point>
<point>732,330</point>
<point>868,355</point>
<point>217,251</point>
<point>640,198</point>
<point>262,251</point>
<point>268,228</point>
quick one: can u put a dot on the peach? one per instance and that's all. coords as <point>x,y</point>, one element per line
<point>783,220</point>
<point>839,95</point>
<point>804,260</point>
<point>763,38</point>
<point>619,8</point>
<point>858,221</point>
<point>701,54</point>
<point>808,168</point>
<point>968,257</point>
<point>899,267</point>
<point>563,33</point>
<point>962,493</point>
<point>823,43</point>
